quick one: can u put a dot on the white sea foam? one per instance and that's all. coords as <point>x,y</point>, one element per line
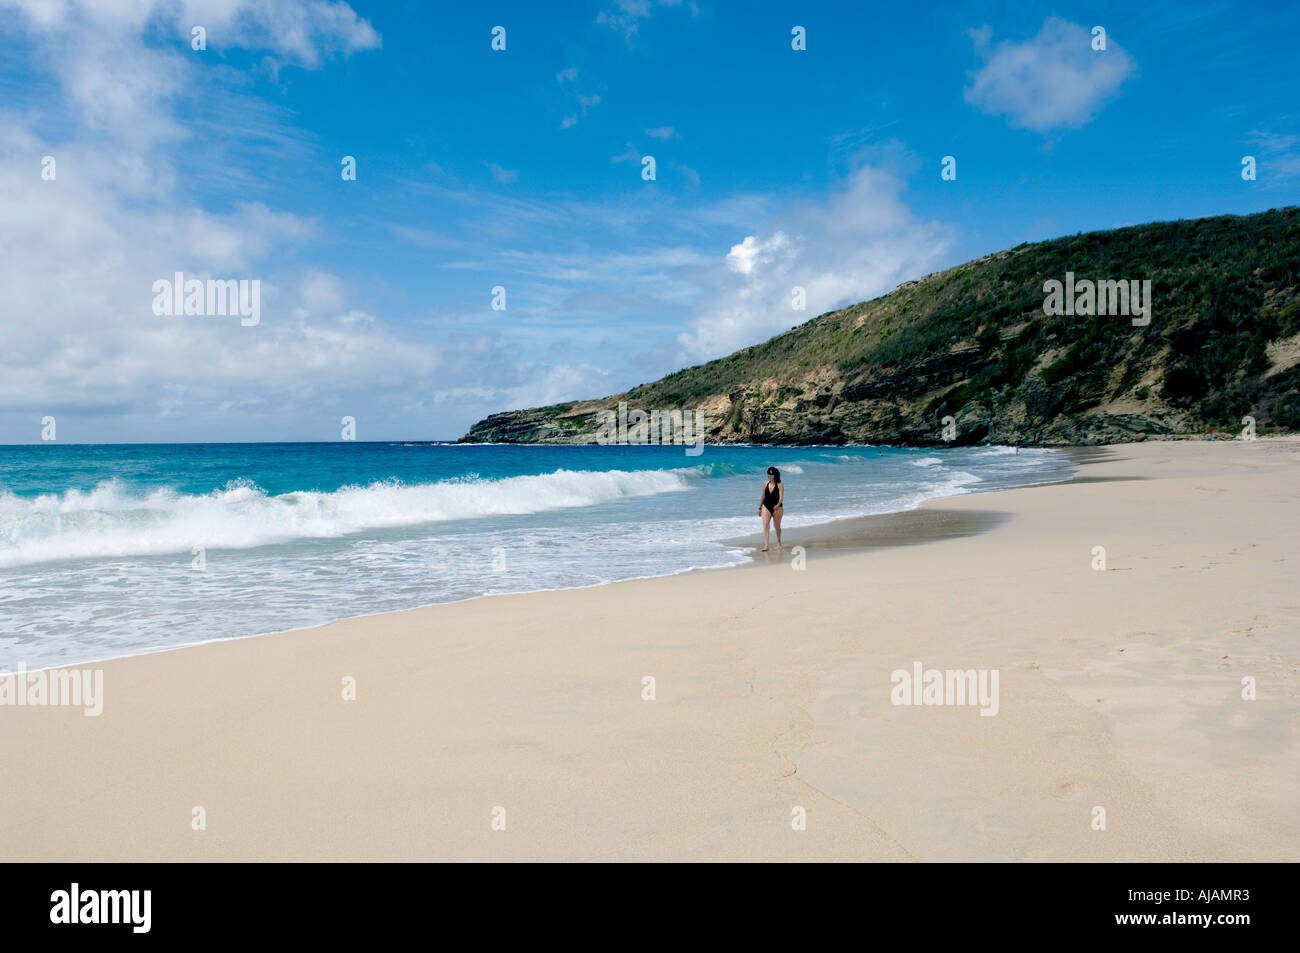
<point>112,520</point>
<point>106,570</point>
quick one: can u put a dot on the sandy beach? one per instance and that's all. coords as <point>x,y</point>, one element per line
<point>1119,689</point>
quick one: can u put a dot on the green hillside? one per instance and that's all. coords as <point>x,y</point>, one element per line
<point>974,343</point>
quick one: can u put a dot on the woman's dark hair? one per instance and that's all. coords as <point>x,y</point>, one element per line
<point>774,473</point>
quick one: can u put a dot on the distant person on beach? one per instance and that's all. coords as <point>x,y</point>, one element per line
<point>772,505</point>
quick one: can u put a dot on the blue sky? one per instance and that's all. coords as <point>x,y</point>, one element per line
<point>521,169</point>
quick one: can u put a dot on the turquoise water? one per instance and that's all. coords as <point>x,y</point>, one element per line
<point>114,550</point>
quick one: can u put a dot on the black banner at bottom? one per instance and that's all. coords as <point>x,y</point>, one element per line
<point>146,902</point>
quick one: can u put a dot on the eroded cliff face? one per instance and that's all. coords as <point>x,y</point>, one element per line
<point>970,355</point>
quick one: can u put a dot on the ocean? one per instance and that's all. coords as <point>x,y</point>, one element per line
<point>114,550</point>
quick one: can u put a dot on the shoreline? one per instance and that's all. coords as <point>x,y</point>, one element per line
<point>1119,689</point>
<point>924,523</point>
<point>850,533</point>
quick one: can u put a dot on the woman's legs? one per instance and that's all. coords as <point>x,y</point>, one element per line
<point>767,519</point>
<point>776,518</point>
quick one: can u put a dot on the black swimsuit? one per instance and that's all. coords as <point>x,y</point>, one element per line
<point>771,497</point>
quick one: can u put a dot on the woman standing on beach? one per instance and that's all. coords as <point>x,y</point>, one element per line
<point>772,505</point>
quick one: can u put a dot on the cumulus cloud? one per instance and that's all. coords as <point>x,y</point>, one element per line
<point>752,253</point>
<point>80,264</point>
<point>78,336</point>
<point>860,242</point>
<point>122,85</point>
<point>320,292</point>
<point>1054,81</point>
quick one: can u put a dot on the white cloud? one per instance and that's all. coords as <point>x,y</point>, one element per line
<point>662,132</point>
<point>78,338</point>
<point>321,292</point>
<point>83,250</point>
<point>544,384</point>
<point>585,102</point>
<point>626,16</point>
<point>100,352</point>
<point>857,244</point>
<point>504,176</point>
<point>1054,81</point>
<point>629,154</point>
<point>123,86</point>
<point>729,266</point>
<point>751,253</point>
